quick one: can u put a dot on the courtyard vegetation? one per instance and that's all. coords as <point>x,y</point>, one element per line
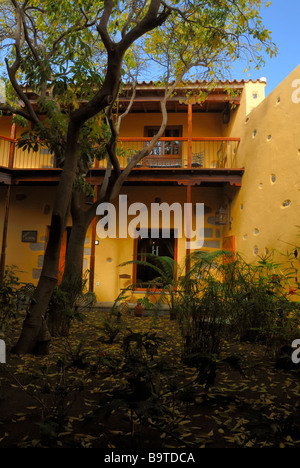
<point>213,370</point>
<point>76,57</point>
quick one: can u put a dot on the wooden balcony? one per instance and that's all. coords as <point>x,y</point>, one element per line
<point>207,158</point>
<point>13,157</point>
<point>214,152</point>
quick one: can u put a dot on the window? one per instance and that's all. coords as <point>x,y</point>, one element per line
<point>167,148</point>
<point>161,247</point>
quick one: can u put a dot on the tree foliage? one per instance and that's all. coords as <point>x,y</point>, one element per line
<point>75,56</point>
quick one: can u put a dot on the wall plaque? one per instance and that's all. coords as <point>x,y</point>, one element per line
<point>29,236</point>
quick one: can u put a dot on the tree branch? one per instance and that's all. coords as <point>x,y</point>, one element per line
<point>133,94</point>
<point>102,25</point>
<point>13,110</point>
<point>12,70</point>
<point>151,20</point>
<point>147,149</point>
<point>28,40</point>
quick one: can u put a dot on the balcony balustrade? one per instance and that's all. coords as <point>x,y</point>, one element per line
<point>196,153</point>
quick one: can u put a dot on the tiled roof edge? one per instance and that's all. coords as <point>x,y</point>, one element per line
<point>205,82</point>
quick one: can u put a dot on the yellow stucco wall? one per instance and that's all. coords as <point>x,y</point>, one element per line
<point>27,206</point>
<point>252,95</point>
<point>30,210</point>
<point>265,212</point>
<point>110,253</point>
<point>203,124</point>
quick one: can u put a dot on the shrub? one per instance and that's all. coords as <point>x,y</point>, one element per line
<point>225,296</point>
<point>202,308</point>
<point>9,298</point>
<point>262,309</point>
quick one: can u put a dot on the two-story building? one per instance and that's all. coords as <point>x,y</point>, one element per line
<point>237,155</point>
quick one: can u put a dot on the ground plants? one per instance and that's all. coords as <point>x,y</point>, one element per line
<point>110,327</point>
<point>222,296</point>
<point>14,295</point>
<point>185,383</point>
<point>166,280</point>
<point>261,301</point>
<point>145,399</point>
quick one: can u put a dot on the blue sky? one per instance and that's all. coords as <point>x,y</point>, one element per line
<point>282,17</point>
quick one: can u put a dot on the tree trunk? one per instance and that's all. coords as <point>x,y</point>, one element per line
<point>74,257</point>
<point>60,315</point>
<point>35,335</point>
<point>34,329</point>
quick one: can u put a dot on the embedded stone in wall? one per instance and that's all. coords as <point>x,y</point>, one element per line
<point>255,250</point>
<point>273,178</point>
<point>212,244</point>
<point>256,232</point>
<point>37,246</point>
<point>286,203</point>
<point>87,251</point>
<point>86,240</point>
<point>40,261</point>
<point>36,273</point>
<point>85,263</point>
<point>206,232</point>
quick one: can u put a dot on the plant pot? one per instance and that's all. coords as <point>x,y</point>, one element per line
<point>138,310</point>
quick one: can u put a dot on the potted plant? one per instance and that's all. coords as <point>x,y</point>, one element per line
<point>138,310</point>
<point>141,305</point>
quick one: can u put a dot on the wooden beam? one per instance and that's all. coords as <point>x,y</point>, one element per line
<point>211,98</point>
<point>4,233</point>
<point>142,139</point>
<point>92,256</point>
<point>12,146</point>
<point>188,228</point>
<point>190,134</point>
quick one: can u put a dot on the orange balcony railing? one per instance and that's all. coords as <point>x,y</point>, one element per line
<point>202,152</point>
<point>15,158</point>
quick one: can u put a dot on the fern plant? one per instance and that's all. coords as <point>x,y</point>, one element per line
<point>167,280</point>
